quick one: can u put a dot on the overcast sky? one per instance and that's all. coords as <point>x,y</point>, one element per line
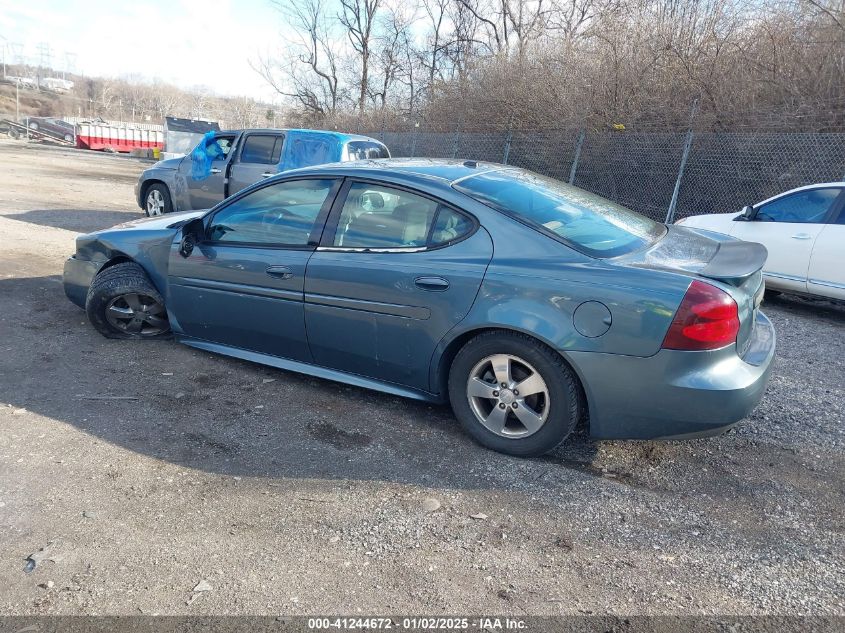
<point>184,42</point>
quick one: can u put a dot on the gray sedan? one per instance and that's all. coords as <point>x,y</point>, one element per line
<point>526,303</point>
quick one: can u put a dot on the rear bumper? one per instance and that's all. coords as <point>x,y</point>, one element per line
<point>675,394</point>
<point>77,278</point>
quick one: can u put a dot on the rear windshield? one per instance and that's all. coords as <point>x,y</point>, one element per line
<point>362,150</point>
<point>585,221</point>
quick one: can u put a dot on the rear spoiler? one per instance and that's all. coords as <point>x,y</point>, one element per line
<point>735,261</point>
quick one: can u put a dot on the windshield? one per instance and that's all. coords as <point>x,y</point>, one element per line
<point>585,221</point>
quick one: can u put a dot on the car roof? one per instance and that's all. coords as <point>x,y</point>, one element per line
<point>444,170</point>
<point>338,136</point>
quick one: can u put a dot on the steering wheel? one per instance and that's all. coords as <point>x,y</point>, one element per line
<point>219,230</point>
<point>273,217</point>
<point>765,217</point>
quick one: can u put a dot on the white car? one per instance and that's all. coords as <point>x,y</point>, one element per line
<point>804,232</point>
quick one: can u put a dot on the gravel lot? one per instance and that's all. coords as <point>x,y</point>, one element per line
<point>287,494</point>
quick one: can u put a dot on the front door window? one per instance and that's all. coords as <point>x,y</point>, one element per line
<point>282,214</point>
<point>806,207</point>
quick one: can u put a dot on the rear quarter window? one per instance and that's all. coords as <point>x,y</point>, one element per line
<point>363,150</point>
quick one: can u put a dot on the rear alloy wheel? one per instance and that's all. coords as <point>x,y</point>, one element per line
<point>69,138</point>
<point>123,303</point>
<point>157,201</point>
<point>508,396</point>
<point>513,394</point>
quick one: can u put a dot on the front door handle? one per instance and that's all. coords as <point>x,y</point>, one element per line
<point>431,283</point>
<point>282,272</point>
<point>267,174</point>
<point>214,170</point>
<point>802,236</point>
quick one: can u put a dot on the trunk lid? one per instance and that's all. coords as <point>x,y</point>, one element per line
<point>736,265</point>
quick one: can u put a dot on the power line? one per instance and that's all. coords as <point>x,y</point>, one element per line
<point>44,55</point>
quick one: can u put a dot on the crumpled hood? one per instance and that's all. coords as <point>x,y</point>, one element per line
<point>170,163</point>
<point>157,222</point>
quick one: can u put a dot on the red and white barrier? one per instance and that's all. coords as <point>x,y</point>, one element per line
<point>117,138</point>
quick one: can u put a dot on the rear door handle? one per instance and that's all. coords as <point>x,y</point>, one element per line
<point>267,174</point>
<point>431,283</point>
<point>802,236</point>
<point>282,272</point>
<point>214,170</point>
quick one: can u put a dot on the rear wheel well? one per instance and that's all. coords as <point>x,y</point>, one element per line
<point>455,346</point>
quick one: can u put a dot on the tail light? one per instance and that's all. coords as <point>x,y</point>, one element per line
<point>706,319</point>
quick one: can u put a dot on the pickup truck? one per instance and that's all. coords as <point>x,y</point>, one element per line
<point>239,158</point>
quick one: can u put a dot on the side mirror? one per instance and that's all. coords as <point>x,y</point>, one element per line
<point>193,233</point>
<point>746,215</point>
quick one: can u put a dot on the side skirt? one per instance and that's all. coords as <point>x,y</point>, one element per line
<point>313,370</point>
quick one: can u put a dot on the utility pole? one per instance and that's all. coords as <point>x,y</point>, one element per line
<point>670,214</point>
<point>44,61</point>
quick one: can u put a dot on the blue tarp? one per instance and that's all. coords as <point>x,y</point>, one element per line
<point>204,153</point>
<point>304,149</point>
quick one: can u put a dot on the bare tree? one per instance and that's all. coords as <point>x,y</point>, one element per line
<point>358,17</point>
<point>436,10</point>
<point>549,61</point>
<point>392,47</point>
<point>309,71</point>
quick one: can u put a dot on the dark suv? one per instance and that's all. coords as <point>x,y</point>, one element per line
<point>54,127</point>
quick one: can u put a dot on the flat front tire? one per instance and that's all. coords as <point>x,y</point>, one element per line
<point>123,303</point>
<point>513,394</point>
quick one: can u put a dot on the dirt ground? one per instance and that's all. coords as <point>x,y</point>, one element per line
<point>146,469</point>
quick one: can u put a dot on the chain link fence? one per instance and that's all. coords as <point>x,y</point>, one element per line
<point>723,171</point>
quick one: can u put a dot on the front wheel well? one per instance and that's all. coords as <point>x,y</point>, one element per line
<point>455,345</point>
<point>114,261</point>
<point>146,187</point>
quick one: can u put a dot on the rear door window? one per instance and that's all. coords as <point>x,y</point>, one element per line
<point>374,216</point>
<point>379,217</point>
<point>262,149</point>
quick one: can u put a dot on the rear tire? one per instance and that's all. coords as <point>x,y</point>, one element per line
<point>123,303</point>
<point>157,201</point>
<point>501,418</point>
